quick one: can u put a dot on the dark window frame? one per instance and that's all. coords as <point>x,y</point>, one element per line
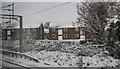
<point>65,35</point>
<point>77,35</point>
<point>77,29</point>
<point>65,29</point>
<point>53,29</point>
<point>53,35</point>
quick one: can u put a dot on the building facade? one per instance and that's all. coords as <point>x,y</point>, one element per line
<point>50,33</point>
<point>69,33</point>
<point>14,34</point>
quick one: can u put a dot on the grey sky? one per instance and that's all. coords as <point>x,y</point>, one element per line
<point>65,14</point>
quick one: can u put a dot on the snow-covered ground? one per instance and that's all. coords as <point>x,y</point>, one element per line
<point>97,61</point>
<point>70,60</point>
<point>58,58</point>
<point>26,63</point>
<point>66,55</point>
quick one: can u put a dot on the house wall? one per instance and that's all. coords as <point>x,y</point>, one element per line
<point>15,34</point>
<point>34,33</point>
<point>6,34</point>
<point>70,32</point>
<point>67,33</point>
<point>53,34</point>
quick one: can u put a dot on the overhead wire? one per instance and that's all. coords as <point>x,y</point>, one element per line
<point>46,9</point>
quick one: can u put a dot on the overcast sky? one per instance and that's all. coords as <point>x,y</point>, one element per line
<point>62,15</point>
<point>65,14</point>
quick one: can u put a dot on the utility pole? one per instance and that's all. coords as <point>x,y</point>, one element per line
<point>21,31</point>
<point>15,17</point>
<point>12,17</point>
<point>11,10</point>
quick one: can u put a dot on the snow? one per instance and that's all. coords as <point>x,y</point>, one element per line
<point>71,26</point>
<point>67,56</point>
<point>65,26</point>
<point>107,26</point>
<point>70,60</point>
<point>6,64</point>
<point>15,60</point>
<point>115,19</point>
<point>96,61</point>
<point>24,62</point>
<point>66,40</point>
<point>57,58</point>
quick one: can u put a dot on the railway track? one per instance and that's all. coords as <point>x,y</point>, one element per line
<point>17,66</point>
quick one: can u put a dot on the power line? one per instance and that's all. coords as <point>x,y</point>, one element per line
<point>46,9</point>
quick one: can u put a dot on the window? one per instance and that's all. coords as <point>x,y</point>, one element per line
<point>76,35</point>
<point>8,37</point>
<point>53,35</point>
<point>65,35</point>
<point>8,32</point>
<point>34,29</point>
<point>81,32</point>
<point>60,32</point>
<point>82,37</point>
<point>76,29</point>
<point>53,29</point>
<point>65,29</point>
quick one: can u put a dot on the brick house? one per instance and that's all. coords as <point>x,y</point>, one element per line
<point>14,34</point>
<point>53,34</point>
<point>6,34</point>
<point>50,33</point>
<point>69,33</point>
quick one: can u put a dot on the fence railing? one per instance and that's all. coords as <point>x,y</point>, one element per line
<point>19,55</point>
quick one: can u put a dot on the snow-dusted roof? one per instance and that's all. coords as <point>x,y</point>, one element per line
<point>69,26</point>
<point>65,25</point>
<point>33,26</point>
<point>19,28</point>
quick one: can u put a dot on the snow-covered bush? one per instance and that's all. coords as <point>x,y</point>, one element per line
<point>63,59</point>
<point>28,42</point>
<point>10,45</point>
<point>113,37</point>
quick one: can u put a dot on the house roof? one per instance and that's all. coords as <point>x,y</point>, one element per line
<point>69,26</point>
<point>65,25</point>
<point>34,26</point>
